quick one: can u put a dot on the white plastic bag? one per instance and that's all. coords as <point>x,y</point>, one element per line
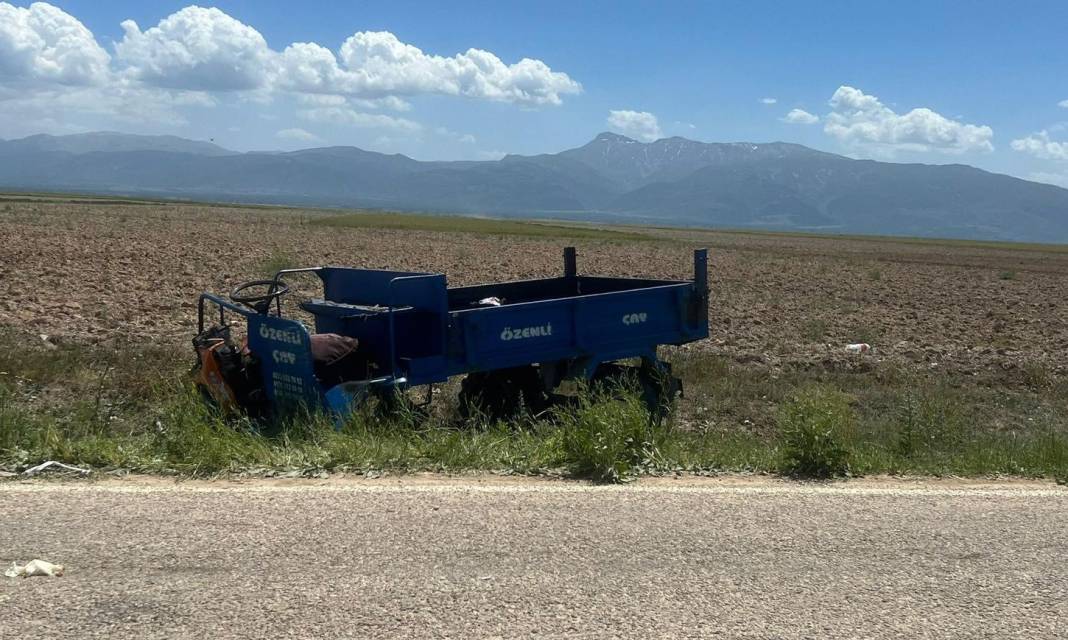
<point>52,463</point>
<point>34,568</point>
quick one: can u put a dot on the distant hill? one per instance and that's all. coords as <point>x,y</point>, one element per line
<point>633,164</point>
<point>108,141</point>
<point>672,181</point>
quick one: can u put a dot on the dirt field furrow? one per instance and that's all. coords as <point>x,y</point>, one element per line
<point>122,272</point>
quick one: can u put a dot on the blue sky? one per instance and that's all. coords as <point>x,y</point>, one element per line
<point>972,82</point>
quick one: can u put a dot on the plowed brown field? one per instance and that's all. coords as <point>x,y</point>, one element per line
<point>99,272</point>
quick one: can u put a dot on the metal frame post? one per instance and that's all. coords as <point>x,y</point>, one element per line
<point>570,262</point>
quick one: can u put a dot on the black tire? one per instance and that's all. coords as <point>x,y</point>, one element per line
<point>502,394</point>
<point>658,388</point>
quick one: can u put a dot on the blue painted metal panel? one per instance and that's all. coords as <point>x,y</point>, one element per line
<point>633,317</point>
<point>622,324</point>
<point>283,347</point>
<point>498,337</point>
<point>360,286</point>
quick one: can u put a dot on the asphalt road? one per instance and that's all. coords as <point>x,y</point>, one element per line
<point>499,558</point>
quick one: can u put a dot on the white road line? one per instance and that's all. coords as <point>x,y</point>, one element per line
<point>459,486</point>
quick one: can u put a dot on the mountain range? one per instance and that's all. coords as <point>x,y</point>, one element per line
<point>672,181</point>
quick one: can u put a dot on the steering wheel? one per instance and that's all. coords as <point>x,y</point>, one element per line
<point>259,302</point>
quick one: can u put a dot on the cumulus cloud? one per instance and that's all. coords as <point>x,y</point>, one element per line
<point>198,48</point>
<point>863,120</point>
<point>297,134</point>
<point>1041,146</point>
<point>800,116</point>
<point>636,124</point>
<point>768,100</point>
<point>199,55</point>
<point>376,63</point>
<point>45,44</point>
<point>1063,103</point>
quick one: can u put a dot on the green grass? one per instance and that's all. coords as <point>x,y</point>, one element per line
<point>613,231</point>
<point>486,226</point>
<point>909,240</point>
<point>609,436</point>
<point>275,262</point>
<point>130,408</point>
<point>816,427</point>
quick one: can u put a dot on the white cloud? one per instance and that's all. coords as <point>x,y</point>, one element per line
<point>1063,103</point>
<point>322,99</point>
<point>52,110</point>
<point>374,64</point>
<point>351,117</point>
<point>333,100</point>
<point>45,44</point>
<point>465,138</point>
<point>197,48</point>
<point>863,120</point>
<point>637,124</point>
<point>768,100</point>
<point>1041,146</point>
<point>388,102</point>
<point>309,67</point>
<point>297,134</point>
<point>197,55</point>
<point>377,63</point>
<point>800,116</point>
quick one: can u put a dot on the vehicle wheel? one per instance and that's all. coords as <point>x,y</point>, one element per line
<point>655,384</point>
<point>502,394</point>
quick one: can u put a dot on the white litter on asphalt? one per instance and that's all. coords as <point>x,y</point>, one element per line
<point>34,568</point>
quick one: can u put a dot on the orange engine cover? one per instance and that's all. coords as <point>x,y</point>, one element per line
<point>209,377</point>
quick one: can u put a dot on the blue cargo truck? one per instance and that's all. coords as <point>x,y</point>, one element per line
<point>378,332</point>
